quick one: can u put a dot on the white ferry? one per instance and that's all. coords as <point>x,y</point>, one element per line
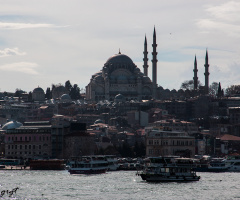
<point>88,165</point>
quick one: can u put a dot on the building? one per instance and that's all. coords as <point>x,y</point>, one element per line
<point>120,75</point>
<point>32,140</point>
<point>164,143</point>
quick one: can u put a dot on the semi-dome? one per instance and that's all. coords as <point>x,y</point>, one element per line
<point>119,58</point>
<point>11,125</point>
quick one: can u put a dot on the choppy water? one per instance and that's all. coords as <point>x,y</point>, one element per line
<point>115,185</point>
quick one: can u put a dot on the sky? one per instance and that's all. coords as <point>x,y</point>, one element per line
<point>51,41</point>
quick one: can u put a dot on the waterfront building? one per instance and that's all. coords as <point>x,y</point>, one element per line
<point>164,143</point>
<point>32,140</point>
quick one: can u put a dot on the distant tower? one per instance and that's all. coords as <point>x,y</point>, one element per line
<point>145,59</point>
<point>154,64</point>
<point>206,73</point>
<point>195,78</point>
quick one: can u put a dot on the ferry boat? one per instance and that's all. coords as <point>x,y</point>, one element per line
<point>163,169</point>
<point>233,163</point>
<point>168,174</point>
<point>112,162</point>
<point>88,165</point>
<point>217,165</point>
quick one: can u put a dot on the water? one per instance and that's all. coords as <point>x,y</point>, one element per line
<point>118,185</point>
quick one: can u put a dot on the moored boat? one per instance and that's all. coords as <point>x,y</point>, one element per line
<point>50,164</point>
<point>88,165</point>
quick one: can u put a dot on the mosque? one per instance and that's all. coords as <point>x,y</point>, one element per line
<point>120,75</point>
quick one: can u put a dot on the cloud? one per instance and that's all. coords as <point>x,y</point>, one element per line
<point>7,25</point>
<point>224,18</point>
<point>23,67</point>
<point>11,52</point>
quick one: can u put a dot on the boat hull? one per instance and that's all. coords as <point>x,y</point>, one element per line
<point>159,178</point>
<point>87,171</point>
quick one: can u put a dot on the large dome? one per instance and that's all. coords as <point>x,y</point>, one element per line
<point>119,58</point>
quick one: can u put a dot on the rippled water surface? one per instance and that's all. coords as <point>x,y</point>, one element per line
<point>114,185</point>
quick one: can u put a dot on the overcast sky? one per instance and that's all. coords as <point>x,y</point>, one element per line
<point>51,41</point>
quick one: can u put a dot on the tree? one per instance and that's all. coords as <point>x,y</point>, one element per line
<point>75,92</point>
<point>68,86</point>
<point>213,89</point>
<point>232,90</point>
<point>19,92</point>
<point>48,94</point>
<point>189,85</point>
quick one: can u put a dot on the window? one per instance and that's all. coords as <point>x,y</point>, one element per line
<point>25,138</point>
<point>20,146</point>
<point>33,146</point>
<point>30,138</point>
<point>40,146</point>
<point>40,138</point>
<point>150,142</point>
<point>15,146</point>
<point>20,138</point>
<point>9,138</point>
<point>34,138</point>
<point>29,146</point>
<point>25,146</point>
<point>156,142</point>
<point>9,146</point>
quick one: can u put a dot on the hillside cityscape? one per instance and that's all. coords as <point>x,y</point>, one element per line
<point>122,112</point>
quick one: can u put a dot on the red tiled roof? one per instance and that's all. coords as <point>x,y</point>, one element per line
<point>229,137</point>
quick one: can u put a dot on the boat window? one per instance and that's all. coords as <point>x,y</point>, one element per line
<point>237,163</point>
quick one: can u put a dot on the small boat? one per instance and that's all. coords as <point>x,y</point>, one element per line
<point>169,174</point>
<point>88,165</point>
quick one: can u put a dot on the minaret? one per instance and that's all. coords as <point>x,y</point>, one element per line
<point>195,78</point>
<point>145,59</point>
<point>154,64</point>
<point>206,73</point>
